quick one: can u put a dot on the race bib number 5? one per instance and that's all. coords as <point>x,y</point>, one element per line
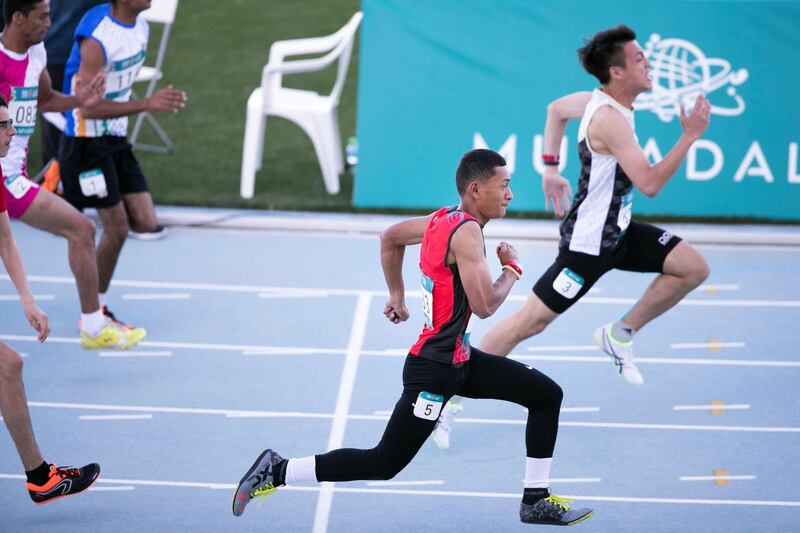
<point>428,405</point>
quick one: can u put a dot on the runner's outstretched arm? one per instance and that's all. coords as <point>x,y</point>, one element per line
<point>393,247</point>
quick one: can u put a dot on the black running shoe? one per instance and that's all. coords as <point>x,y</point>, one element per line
<point>553,510</point>
<point>258,482</point>
<point>64,482</point>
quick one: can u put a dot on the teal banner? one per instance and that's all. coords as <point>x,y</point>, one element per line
<point>438,78</point>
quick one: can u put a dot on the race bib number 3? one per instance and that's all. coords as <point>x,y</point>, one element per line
<point>18,185</point>
<point>428,406</point>
<point>93,183</point>
<point>568,284</point>
<point>427,299</point>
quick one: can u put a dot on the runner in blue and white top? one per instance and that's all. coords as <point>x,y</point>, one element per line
<point>598,233</point>
<point>98,168</point>
<point>124,48</point>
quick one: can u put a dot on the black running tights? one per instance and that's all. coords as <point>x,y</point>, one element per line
<point>483,376</point>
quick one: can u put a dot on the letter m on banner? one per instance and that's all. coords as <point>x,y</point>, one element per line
<point>508,150</point>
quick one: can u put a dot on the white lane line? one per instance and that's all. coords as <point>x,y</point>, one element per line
<point>403,483</point>
<point>733,406</point>
<point>125,353</point>
<point>301,293</point>
<point>280,350</point>
<point>720,287</point>
<point>494,421</point>
<point>115,417</point>
<point>95,488</point>
<point>564,348</point>
<point>715,478</point>
<point>271,350</point>
<point>708,344</point>
<point>336,439</point>
<point>383,293</point>
<point>442,493</point>
<point>702,303</point>
<point>563,410</point>
<point>15,297</point>
<point>158,296</point>
<point>572,480</point>
<point>659,360</point>
<point>683,427</point>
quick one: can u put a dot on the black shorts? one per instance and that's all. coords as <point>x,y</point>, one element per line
<point>643,248</point>
<point>108,158</point>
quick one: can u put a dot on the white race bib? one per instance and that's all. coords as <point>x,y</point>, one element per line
<point>427,298</point>
<point>122,75</point>
<point>568,284</point>
<point>22,109</point>
<point>428,406</point>
<point>18,185</point>
<point>93,183</point>
<point>625,212</point>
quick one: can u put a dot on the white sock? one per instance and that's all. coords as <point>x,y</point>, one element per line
<point>537,473</point>
<point>92,323</point>
<point>102,297</point>
<point>622,331</point>
<point>301,469</point>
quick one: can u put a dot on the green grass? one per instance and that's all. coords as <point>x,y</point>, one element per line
<point>216,52</point>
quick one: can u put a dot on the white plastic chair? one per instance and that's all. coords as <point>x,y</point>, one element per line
<point>160,12</point>
<point>313,112</point>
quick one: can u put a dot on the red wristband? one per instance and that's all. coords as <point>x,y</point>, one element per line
<point>513,265</point>
<point>551,160</point>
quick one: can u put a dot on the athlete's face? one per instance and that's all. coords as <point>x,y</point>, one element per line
<point>637,68</point>
<point>137,6</point>
<point>496,194</point>
<point>7,132</point>
<point>36,23</point>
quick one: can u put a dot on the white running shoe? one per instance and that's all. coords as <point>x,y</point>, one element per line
<point>444,426</point>
<point>621,353</point>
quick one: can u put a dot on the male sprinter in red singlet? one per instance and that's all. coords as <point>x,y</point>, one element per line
<point>456,282</point>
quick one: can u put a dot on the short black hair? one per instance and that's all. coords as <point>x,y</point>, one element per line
<point>604,50</point>
<point>3,102</point>
<point>478,164</point>
<point>12,6</point>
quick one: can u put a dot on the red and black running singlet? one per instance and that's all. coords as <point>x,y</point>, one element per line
<point>444,301</point>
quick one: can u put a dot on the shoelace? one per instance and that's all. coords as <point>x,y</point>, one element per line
<point>67,471</point>
<point>558,501</point>
<point>121,325</point>
<point>263,492</point>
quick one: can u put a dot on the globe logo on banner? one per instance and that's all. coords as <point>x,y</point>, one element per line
<point>681,72</point>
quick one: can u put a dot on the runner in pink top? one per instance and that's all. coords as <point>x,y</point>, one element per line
<point>19,83</point>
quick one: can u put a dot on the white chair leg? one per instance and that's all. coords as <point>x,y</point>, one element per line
<point>337,137</point>
<point>253,137</point>
<point>315,128</point>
